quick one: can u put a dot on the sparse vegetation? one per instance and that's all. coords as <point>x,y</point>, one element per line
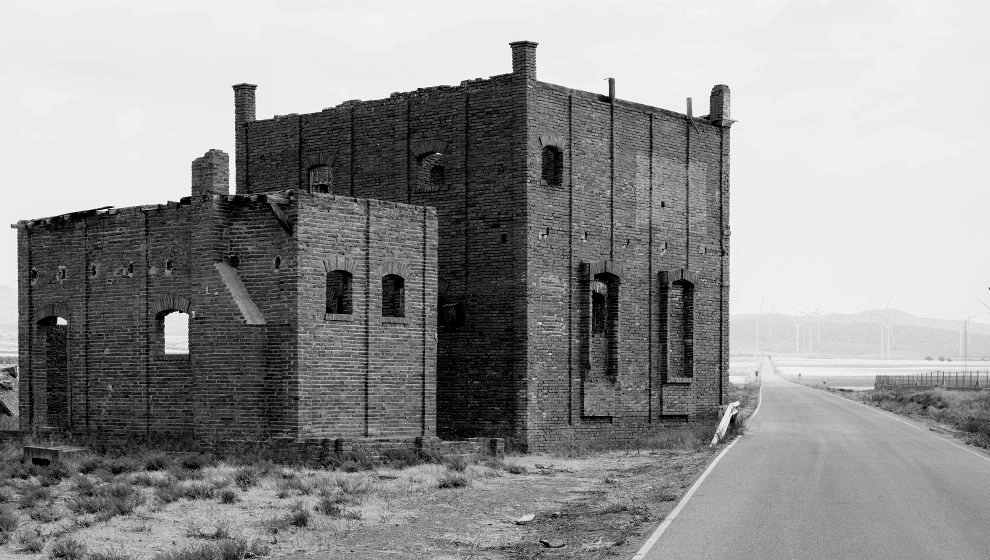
<point>67,504</point>
<point>453,479</point>
<point>110,555</point>
<point>228,496</point>
<point>29,540</point>
<point>67,549</point>
<point>298,516</point>
<point>195,461</point>
<point>965,410</point>
<point>9,522</point>
<point>227,549</point>
<point>108,501</point>
<point>246,477</point>
<point>515,468</point>
<point>157,462</point>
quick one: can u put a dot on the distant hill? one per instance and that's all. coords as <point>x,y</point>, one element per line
<point>857,335</point>
<point>834,335</point>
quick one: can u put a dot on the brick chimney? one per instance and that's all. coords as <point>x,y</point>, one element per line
<point>244,112</point>
<point>719,109</point>
<point>211,174</point>
<point>524,59</point>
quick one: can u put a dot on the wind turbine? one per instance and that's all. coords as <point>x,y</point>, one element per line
<point>886,332</point>
<point>758,315</point>
<point>814,327</point>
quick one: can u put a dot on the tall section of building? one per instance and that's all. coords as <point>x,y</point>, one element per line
<point>583,243</point>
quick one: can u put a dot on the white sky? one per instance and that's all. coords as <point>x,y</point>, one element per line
<point>855,161</point>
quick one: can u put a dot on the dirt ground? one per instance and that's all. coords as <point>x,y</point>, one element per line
<point>599,505</point>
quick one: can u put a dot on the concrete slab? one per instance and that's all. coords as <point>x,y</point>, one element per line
<point>41,455</point>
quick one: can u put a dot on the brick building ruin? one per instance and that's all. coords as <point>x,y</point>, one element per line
<point>503,258</point>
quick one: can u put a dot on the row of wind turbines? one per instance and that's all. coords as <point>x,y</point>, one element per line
<point>813,332</point>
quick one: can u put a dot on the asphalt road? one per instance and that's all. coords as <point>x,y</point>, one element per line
<point>818,476</point>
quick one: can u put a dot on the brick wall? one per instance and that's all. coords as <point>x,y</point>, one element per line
<point>644,191</point>
<point>362,374</point>
<point>250,271</point>
<point>374,149</point>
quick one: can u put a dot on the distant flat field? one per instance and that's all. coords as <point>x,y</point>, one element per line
<point>852,373</point>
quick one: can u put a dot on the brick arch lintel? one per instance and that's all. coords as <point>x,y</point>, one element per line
<point>554,140</point>
<point>55,309</point>
<point>609,267</point>
<point>320,159</point>
<point>340,262</point>
<point>427,147</point>
<point>169,303</point>
<point>668,277</point>
<point>394,267</point>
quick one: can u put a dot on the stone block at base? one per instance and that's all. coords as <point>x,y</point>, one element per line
<point>39,455</point>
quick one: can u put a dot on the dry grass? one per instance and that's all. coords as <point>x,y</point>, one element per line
<point>966,411</point>
<point>131,507</point>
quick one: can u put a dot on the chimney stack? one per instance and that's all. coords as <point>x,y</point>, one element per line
<point>244,112</point>
<point>719,109</point>
<point>524,59</point>
<point>211,174</point>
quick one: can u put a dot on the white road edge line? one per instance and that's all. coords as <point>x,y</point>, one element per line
<point>652,541</point>
<point>896,418</point>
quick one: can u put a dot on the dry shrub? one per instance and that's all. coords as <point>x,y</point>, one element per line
<point>44,513</point>
<point>110,555</point>
<point>90,464</point>
<point>157,462</point>
<point>298,516</point>
<point>456,463</point>
<point>227,549</point>
<point>67,549</point>
<point>9,521</point>
<point>453,479</point>
<point>228,496</point>
<point>195,461</point>
<point>515,468</point>
<point>288,484</point>
<point>34,495</point>
<point>30,540</point>
<point>108,501</point>
<point>246,477</point>
<point>121,465</point>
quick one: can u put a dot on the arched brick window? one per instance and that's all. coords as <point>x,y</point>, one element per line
<point>171,329</point>
<point>682,313</point>
<point>174,327</point>
<point>321,179</point>
<point>432,174</point>
<point>605,325</point>
<point>553,166</point>
<point>339,292</point>
<point>393,296</point>
<point>676,324</point>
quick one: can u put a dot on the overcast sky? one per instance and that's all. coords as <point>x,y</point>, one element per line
<point>855,161</point>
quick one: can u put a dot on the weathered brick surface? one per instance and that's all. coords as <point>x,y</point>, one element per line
<point>638,199</point>
<point>263,359</point>
<point>643,190</point>
<point>375,148</point>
